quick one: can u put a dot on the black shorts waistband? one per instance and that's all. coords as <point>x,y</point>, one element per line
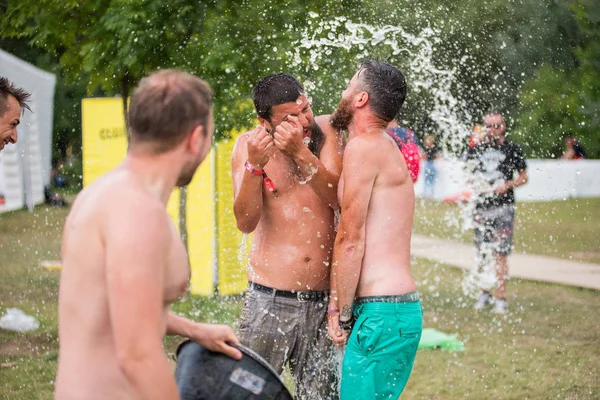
<point>291,294</point>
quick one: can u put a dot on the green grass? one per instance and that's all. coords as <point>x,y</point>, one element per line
<point>25,240</point>
<point>548,346</point>
<point>565,229</point>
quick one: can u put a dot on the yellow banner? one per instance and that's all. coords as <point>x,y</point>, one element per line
<point>103,136</point>
<point>105,143</point>
<point>216,250</point>
<point>200,223</point>
<point>232,248</point>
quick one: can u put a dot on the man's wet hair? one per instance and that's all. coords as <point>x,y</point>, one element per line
<point>8,88</point>
<point>166,106</point>
<point>273,90</point>
<point>386,86</point>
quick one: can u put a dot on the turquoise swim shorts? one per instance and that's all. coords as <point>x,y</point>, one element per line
<point>382,347</point>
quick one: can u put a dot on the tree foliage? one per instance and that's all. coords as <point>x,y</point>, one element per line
<point>115,43</point>
<point>536,60</point>
<point>566,101</point>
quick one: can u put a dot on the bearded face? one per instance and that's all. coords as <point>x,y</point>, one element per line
<point>187,173</point>
<point>342,116</point>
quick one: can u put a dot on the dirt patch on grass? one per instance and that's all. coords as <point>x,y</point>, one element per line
<point>28,345</point>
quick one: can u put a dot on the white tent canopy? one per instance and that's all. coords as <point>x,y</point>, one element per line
<point>25,167</point>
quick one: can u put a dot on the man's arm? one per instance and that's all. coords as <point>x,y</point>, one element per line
<point>520,180</point>
<point>337,335</point>
<point>360,171</point>
<point>328,165</point>
<point>255,147</point>
<point>323,173</point>
<point>520,165</point>
<point>211,337</point>
<point>137,239</point>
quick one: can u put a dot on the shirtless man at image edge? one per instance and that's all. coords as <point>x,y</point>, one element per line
<point>123,261</point>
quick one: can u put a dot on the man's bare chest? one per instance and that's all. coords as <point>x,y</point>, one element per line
<point>178,271</point>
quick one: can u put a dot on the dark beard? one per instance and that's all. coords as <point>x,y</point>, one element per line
<point>186,175</point>
<point>316,139</point>
<point>341,118</point>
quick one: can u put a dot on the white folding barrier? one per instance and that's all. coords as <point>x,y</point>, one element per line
<point>548,179</point>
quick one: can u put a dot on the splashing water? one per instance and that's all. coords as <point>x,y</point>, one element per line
<point>311,172</point>
<point>417,54</point>
<point>337,364</point>
<point>424,76</point>
<point>242,248</point>
<point>241,255</point>
<point>337,215</point>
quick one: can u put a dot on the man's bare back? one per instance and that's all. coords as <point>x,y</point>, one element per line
<point>88,354</point>
<point>374,298</point>
<point>386,264</point>
<point>371,255</point>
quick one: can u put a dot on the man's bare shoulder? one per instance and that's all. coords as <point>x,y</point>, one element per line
<point>242,138</point>
<point>113,205</point>
<point>362,146</point>
<point>119,193</point>
<point>94,196</point>
<point>240,142</point>
<point>133,195</point>
<point>136,216</point>
<point>324,122</point>
<point>334,138</point>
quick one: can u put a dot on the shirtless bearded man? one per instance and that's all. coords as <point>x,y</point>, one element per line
<point>285,192</point>
<point>372,285</point>
<point>123,261</point>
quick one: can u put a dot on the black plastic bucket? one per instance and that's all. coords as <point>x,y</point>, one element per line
<point>202,374</point>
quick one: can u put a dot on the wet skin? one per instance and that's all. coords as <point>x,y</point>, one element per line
<point>293,228</point>
<point>123,265</point>
<point>372,248</point>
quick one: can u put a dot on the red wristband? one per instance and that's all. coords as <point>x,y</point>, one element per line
<point>269,184</point>
<point>252,170</point>
<point>259,172</point>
